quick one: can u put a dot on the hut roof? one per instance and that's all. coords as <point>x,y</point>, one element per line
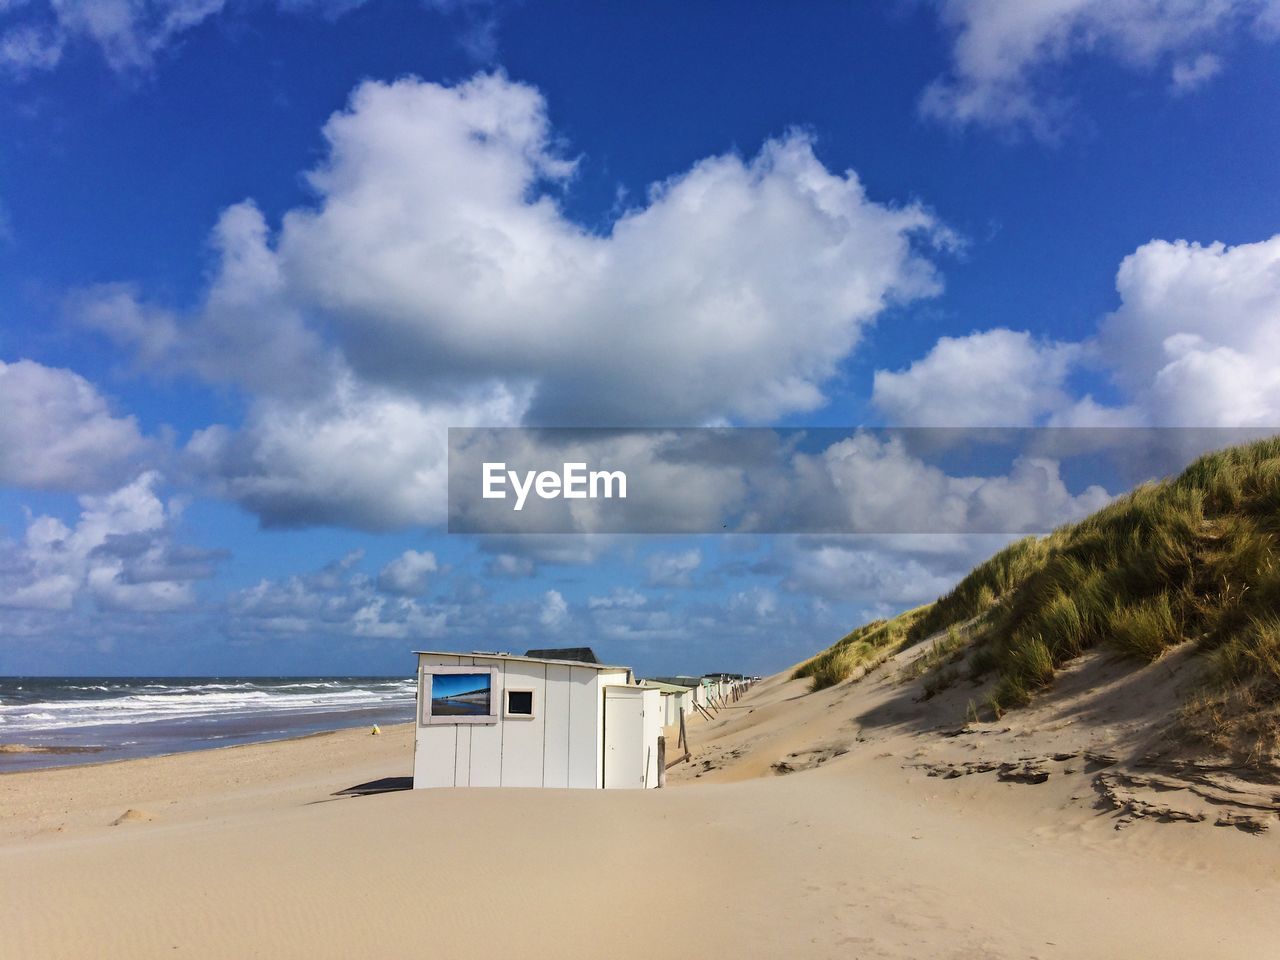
<point>528,657</point>
<point>577,654</point>
<point>666,687</point>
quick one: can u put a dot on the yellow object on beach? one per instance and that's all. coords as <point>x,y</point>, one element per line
<point>376,731</point>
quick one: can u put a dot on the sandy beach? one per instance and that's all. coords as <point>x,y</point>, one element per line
<point>430,428</point>
<point>254,851</point>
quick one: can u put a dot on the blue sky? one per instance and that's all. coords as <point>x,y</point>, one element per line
<point>256,256</point>
<point>450,685</point>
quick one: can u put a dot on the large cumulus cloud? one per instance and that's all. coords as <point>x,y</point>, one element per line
<point>436,279</point>
<point>439,251</point>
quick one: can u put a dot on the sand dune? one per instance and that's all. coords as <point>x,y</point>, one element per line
<point>858,852</point>
<point>1099,731</point>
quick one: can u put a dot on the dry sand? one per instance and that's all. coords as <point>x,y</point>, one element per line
<point>247,852</point>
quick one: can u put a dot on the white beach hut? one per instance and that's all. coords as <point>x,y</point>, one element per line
<point>500,720</point>
<point>693,686</point>
<point>676,700</point>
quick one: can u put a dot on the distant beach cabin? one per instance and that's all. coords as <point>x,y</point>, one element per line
<point>677,700</point>
<point>561,720</point>
<point>695,685</point>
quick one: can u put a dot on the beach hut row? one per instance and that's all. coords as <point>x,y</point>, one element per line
<point>683,696</point>
<point>550,718</point>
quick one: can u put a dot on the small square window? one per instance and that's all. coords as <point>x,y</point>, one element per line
<point>519,703</point>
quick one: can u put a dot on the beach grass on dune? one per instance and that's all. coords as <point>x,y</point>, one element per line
<point>861,650</point>
<point>938,666</point>
<point>1193,559</point>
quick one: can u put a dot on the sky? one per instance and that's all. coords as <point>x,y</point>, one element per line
<point>257,256</point>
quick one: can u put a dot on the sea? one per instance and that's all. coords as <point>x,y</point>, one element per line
<point>55,721</point>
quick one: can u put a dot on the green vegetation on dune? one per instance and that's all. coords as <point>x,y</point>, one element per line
<point>1192,559</point>
<point>863,649</point>
<point>978,591</point>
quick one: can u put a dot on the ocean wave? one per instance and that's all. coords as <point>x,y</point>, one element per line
<point>127,703</point>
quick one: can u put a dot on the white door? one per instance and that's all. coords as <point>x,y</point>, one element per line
<point>625,762</point>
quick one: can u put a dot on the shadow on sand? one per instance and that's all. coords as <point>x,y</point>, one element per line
<point>385,785</point>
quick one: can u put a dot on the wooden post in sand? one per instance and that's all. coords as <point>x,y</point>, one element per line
<point>662,762</point>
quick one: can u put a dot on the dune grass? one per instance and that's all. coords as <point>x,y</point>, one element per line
<point>1239,710</point>
<point>863,649</point>
<point>938,666</point>
<point>1189,559</point>
<point>944,650</point>
<point>1145,629</point>
<point>981,588</point>
<point>1194,559</point>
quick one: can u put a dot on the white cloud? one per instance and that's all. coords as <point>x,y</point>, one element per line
<point>674,569</point>
<point>1006,53</point>
<point>360,456</point>
<point>1195,339</point>
<point>27,49</point>
<point>119,555</point>
<point>1193,73</point>
<point>245,331</point>
<point>845,572</point>
<point>555,609</point>
<point>437,282</point>
<point>767,481</point>
<point>408,574</point>
<point>993,378</point>
<point>1192,344</point>
<point>632,628</point>
<point>521,555</point>
<point>336,600</point>
<point>58,431</point>
<point>437,252</point>
<point>757,603</point>
<point>668,460</point>
<point>396,619</point>
<point>129,34</point>
<point>620,598</point>
<point>510,566</point>
<point>881,486</point>
<point>549,549</point>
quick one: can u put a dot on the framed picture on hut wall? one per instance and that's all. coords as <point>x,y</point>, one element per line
<point>461,694</point>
